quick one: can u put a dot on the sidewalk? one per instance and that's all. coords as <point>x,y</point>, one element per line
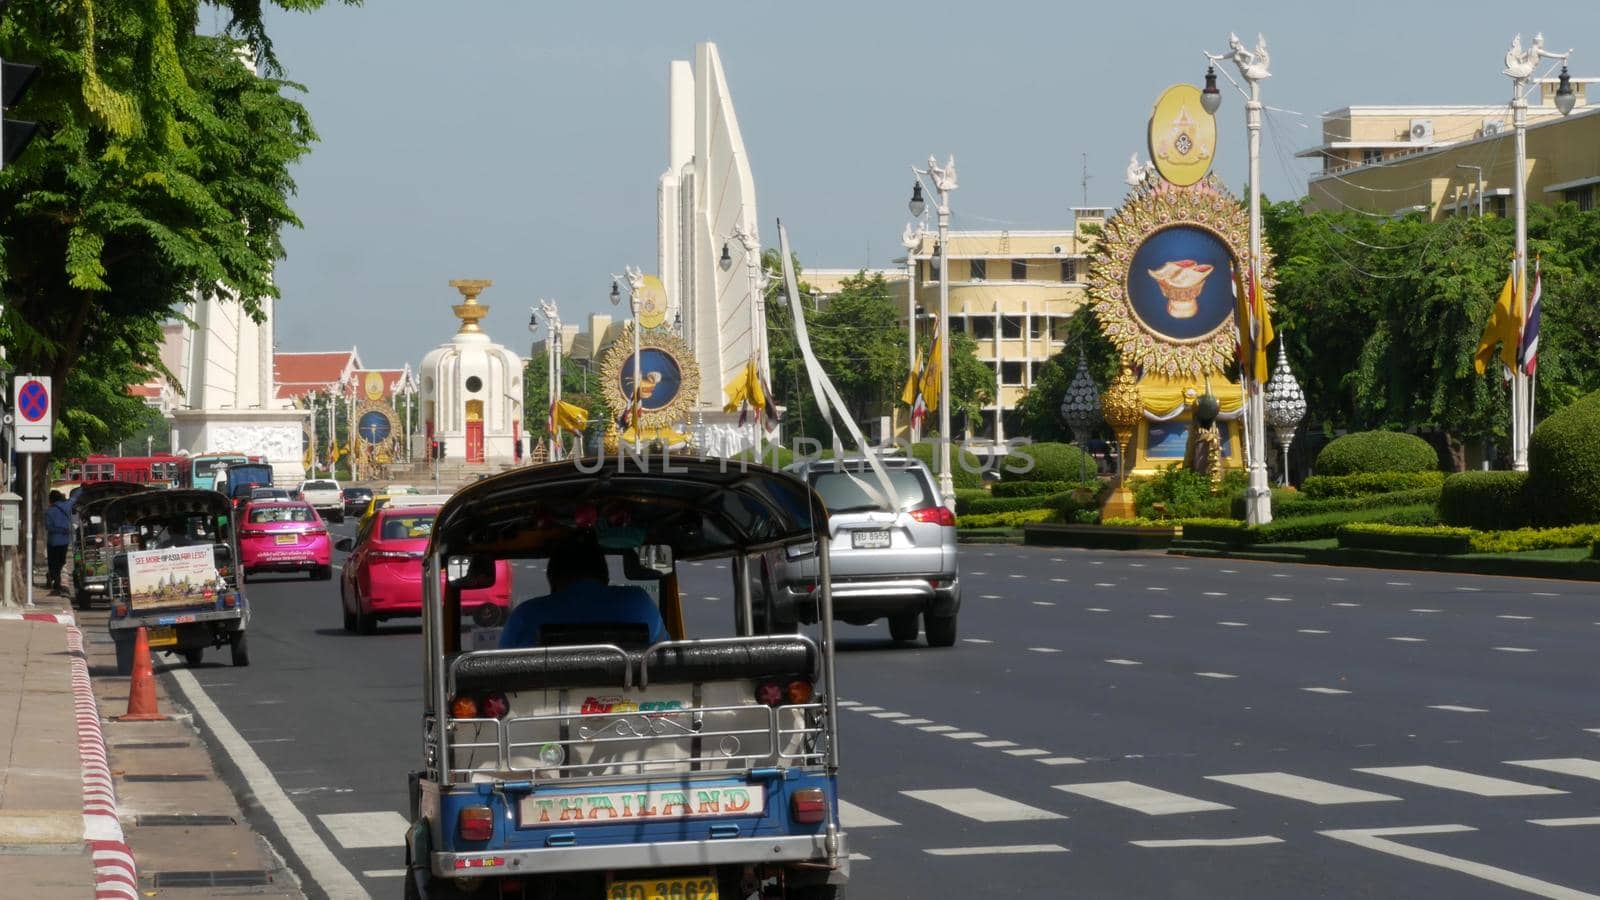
<point>83,796</point>
<point>55,830</point>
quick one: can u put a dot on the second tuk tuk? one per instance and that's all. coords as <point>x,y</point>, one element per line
<point>595,763</point>
<point>175,571</point>
<point>91,557</point>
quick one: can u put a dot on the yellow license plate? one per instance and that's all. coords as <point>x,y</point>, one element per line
<point>285,538</point>
<point>163,637</point>
<point>664,889</point>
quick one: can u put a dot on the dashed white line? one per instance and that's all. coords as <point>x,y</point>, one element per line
<point>1216,593</point>
<point>1160,616</point>
<point>1096,609</point>
<point>1230,571</point>
<point>1422,610</point>
<point>1515,618</point>
<point>846,704</point>
<point>1279,575</point>
<point>1469,589</point>
<point>965,735</point>
<point>1325,690</point>
<point>1310,631</point>
<point>1545,594</point>
<point>1103,584</point>
<point>1211,842</point>
<point>1215,675</point>
<point>938,729</point>
<point>1155,588</point>
<point>912,721</point>
<point>1026,752</point>
<point>866,709</point>
<point>888,715</point>
<point>994,745</point>
<point>1235,624</point>
<point>1337,578</point>
<point>976,641</point>
<point>1043,603</point>
<point>1059,580</point>
<point>1516,650</point>
<point>990,597</point>
<point>1346,604</point>
<point>1044,650</point>
<point>1409,640</point>
<point>1451,707</point>
<point>1124,662</point>
<point>1281,599</point>
<point>1060,761</point>
<point>1398,583</point>
<point>1007,850</point>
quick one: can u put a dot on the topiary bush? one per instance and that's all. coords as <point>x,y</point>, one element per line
<point>1040,488</point>
<point>1048,462</point>
<point>1431,539</point>
<point>1185,494</point>
<point>1330,487</point>
<point>1564,465</point>
<point>1487,501</point>
<point>964,467</point>
<point>1377,451</point>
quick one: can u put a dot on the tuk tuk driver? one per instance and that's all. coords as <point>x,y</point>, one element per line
<point>581,595</point>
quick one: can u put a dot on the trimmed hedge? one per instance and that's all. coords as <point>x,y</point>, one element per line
<point>1376,451</point>
<point>1291,506</point>
<point>981,506</point>
<point>1183,493</point>
<point>1485,500</point>
<point>965,496</point>
<point>1564,465</point>
<point>964,467</point>
<point>1325,487</point>
<point>1437,540</point>
<point>1048,462</point>
<point>1040,488</point>
<point>1327,525</point>
<point>1013,519</point>
<point>1523,539</point>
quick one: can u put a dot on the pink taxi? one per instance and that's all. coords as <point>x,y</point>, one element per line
<point>382,579</point>
<point>284,536</point>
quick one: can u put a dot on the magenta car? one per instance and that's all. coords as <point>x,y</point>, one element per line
<point>382,579</point>
<point>284,536</point>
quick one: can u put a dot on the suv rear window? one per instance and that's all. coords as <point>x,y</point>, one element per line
<point>847,490</point>
<point>320,486</point>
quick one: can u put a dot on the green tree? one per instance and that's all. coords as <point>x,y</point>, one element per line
<point>577,387</point>
<point>1039,411</point>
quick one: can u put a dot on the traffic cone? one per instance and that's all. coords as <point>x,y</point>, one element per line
<point>142,687</point>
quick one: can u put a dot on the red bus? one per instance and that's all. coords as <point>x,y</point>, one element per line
<point>162,468</point>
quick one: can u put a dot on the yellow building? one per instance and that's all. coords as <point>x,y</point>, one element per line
<point>1393,160</point>
<point>1012,291</point>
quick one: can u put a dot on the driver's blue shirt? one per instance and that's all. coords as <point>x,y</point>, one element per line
<point>583,603</point>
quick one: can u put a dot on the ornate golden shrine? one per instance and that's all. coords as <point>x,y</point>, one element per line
<point>671,381</point>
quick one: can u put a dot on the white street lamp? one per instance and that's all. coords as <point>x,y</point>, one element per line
<point>912,241</point>
<point>746,236</point>
<point>944,181</point>
<point>635,278</point>
<point>1252,66</point>
<point>552,362</point>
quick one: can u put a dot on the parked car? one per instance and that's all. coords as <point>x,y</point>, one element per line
<point>269,493</point>
<point>324,496</point>
<point>897,564</point>
<point>356,500</point>
<point>284,536</point>
<point>382,579</point>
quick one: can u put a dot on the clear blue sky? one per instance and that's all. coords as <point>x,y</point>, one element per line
<point>521,141</point>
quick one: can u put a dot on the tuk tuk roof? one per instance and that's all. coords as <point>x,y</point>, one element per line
<point>91,491</point>
<point>699,507</point>
<point>164,504</point>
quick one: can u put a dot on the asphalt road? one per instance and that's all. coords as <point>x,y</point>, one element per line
<point>1110,725</point>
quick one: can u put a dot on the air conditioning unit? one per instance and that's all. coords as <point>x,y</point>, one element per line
<point>1422,131</point>
<point>1493,127</point>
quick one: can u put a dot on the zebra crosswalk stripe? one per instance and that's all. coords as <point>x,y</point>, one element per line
<point>982,806</point>
<point>1140,798</point>
<point>1582,768</point>
<point>1466,782</point>
<point>1295,787</point>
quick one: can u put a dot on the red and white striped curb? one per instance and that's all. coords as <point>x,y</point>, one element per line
<point>59,618</point>
<point>115,874</point>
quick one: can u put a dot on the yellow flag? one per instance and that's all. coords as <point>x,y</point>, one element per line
<point>1261,325</point>
<point>908,394</point>
<point>570,417</point>
<point>1504,327</point>
<point>737,390</point>
<point>930,372</point>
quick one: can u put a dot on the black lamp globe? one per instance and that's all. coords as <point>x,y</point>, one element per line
<point>1210,97</point>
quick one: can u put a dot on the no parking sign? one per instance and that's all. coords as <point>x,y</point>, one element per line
<point>31,419</point>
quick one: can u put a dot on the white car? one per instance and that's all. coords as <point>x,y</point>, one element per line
<point>324,495</point>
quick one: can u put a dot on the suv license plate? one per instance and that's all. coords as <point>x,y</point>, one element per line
<point>664,889</point>
<point>869,540</point>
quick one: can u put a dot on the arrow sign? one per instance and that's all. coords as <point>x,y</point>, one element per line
<point>33,423</point>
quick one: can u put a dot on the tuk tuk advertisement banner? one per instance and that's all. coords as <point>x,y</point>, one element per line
<point>174,577</point>
<point>602,807</point>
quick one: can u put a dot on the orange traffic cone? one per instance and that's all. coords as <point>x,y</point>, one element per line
<point>142,688</point>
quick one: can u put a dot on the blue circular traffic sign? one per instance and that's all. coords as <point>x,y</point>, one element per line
<point>33,401</point>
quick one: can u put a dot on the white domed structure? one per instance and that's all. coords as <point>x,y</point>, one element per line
<point>472,390</point>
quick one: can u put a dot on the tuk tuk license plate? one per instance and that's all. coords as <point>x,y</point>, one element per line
<point>869,540</point>
<point>285,538</point>
<point>163,636</point>
<point>703,888</point>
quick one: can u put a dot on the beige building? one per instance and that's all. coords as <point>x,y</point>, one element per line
<point>1393,160</point>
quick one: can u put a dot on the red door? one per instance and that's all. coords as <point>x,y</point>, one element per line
<point>475,442</point>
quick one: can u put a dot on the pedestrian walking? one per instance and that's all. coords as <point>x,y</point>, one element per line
<point>58,535</point>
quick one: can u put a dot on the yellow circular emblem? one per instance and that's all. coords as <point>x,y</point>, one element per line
<point>653,303</point>
<point>1183,136</point>
<point>374,386</point>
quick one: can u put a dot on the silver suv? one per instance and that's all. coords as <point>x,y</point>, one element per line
<point>899,565</point>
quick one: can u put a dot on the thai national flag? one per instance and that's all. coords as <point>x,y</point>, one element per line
<point>1528,353</point>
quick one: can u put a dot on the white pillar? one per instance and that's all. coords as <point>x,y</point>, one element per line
<point>1521,399</point>
<point>947,484</point>
<point>911,325</point>
<point>1258,496</point>
<point>999,377</point>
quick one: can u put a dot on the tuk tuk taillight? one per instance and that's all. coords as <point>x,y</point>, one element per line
<point>770,693</point>
<point>495,705</point>
<point>799,691</point>
<point>808,806</point>
<point>463,708</point>
<point>476,823</point>
<point>229,601</point>
<point>120,610</point>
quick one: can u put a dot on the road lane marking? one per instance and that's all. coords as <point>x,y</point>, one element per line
<point>1096,609</point>
<point>1515,618</point>
<point>1281,599</point>
<point>1008,850</point>
<point>1160,616</point>
<point>1410,640</point>
<point>1059,580</point>
<point>1544,594</point>
<point>1450,707</point>
<point>364,830</point>
<point>1471,589</point>
<point>1135,565</point>
<point>990,597</point>
<point>1155,588</point>
<point>1235,624</point>
<point>1466,782</point>
<point>1346,604</point>
<point>853,816</point>
<point>1216,593</point>
<point>1324,690</point>
<point>1308,790</point>
<point>912,721</point>
<point>1140,798</point>
<point>1230,571</point>
<point>847,703</point>
<point>1375,839</point>
<point>1215,675</point>
<point>1516,650</point>
<point>1398,583</point>
<point>1279,575</point>
<point>889,715</point>
<point>1581,768</point>
<point>982,806</point>
<point>866,709</point>
<point>303,840</point>
<point>1028,752</point>
<point>1124,662</point>
<point>1060,761</point>
<point>1593,730</point>
<point>937,729</point>
<point>1427,610</point>
<point>1043,603</point>
<point>1255,841</point>
<point>992,745</point>
<point>1103,584</point>
<point>1044,650</point>
<point>1567,823</point>
<point>976,641</point>
<point>1310,631</point>
<point>383,873</point>
<point>966,735</point>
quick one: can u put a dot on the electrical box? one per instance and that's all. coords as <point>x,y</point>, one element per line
<point>10,520</point>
